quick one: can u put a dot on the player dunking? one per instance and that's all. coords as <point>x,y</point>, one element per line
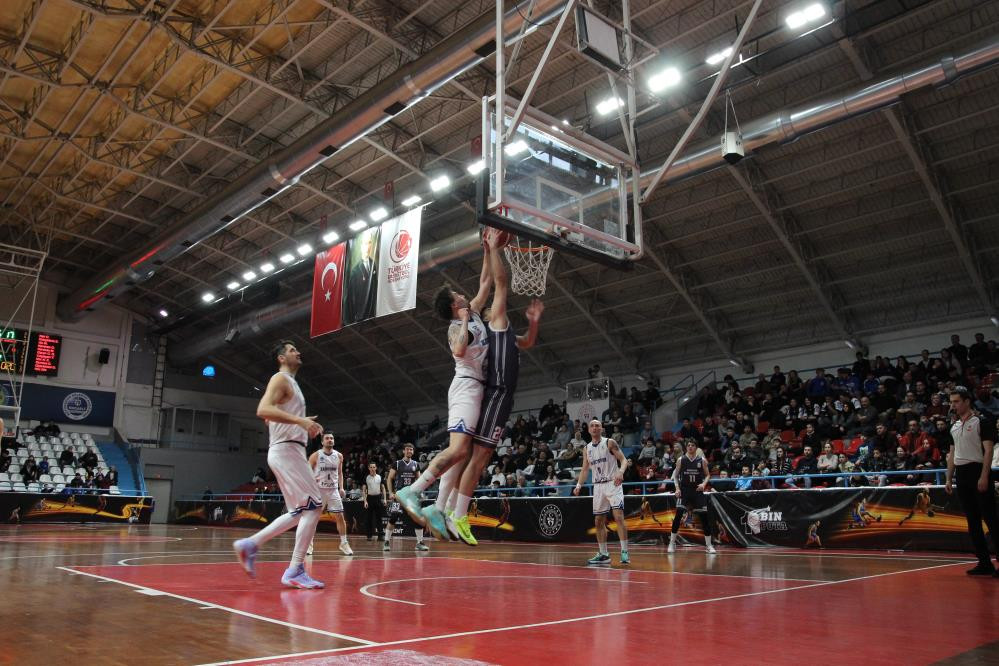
<point>283,408</point>
<point>468,342</point>
<point>402,473</point>
<point>691,478</point>
<point>607,462</point>
<point>922,505</point>
<point>327,466</point>
<point>503,363</point>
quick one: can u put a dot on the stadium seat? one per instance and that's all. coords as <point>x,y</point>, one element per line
<point>14,468</point>
<point>837,445</point>
<point>4,476</point>
<point>854,446</point>
<point>6,487</point>
<point>114,490</point>
<point>16,478</point>
<point>34,487</point>
<point>786,435</point>
<point>19,487</point>
<point>44,478</point>
<point>58,478</point>
<point>763,427</point>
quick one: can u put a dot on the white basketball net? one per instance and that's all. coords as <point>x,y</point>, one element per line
<point>528,267</point>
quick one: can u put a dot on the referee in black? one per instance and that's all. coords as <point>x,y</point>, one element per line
<point>969,464</point>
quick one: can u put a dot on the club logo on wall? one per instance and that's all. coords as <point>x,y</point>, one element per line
<point>77,406</point>
<point>550,520</point>
<point>764,520</point>
<point>587,412</point>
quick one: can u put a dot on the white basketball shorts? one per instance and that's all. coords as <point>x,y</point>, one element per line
<point>464,401</point>
<point>332,500</point>
<point>607,496</point>
<point>294,476</point>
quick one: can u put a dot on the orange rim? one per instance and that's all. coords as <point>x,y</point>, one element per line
<point>517,248</point>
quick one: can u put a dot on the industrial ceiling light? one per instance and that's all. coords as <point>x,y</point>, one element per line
<point>249,275</point>
<point>606,106</point>
<point>666,78</point>
<point>357,225</point>
<point>208,297</point>
<point>164,313</point>
<point>304,249</point>
<point>717,58</point>
<point>378,214</point>
<point>440,182</point>
<point>331,237</point>
<point>267,267</point>
<point>287,258</point>
<point>475,167</point>
<point>411,200</point>
<point>232,286</point>
<point>515,148</point>
<point>809,14</point>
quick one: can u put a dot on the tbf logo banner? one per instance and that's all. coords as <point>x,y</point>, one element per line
<point>399,261</point>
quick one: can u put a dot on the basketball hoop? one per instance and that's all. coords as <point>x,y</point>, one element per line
<point>529,263</point>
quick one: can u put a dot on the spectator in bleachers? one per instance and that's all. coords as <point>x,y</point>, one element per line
<point>884,402</point>
<point>913,438</point>
<point>259,476</point>
<point>828,461</point>
<point>29,470</point>
<point>883,439</point>
<point>43,466</point>
<point>937,407</point>
<point>648,452</point>
<point>807,464</point>
<point>777,379</point>
<point>5,460</point>
<point>958,351</point>
<point>781,466</point>
<point>909,409</point>
<point>89,459</point>
<point>66,458</point>
<point>562,437</point>
<point>77,481</point>
<point>734,459</point>
<point>901,462</point>
<point>101,480</point>
<point>818,386</point>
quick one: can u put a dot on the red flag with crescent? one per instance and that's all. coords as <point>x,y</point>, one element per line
<point>327,291</point>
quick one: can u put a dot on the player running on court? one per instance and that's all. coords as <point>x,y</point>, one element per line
<point>605,459</point>
<point>468,342</point>
<point>402,473</point>
<point>283,408</point>
<point>691,479</point>
<point>327,466</point>
<point>503,364</point>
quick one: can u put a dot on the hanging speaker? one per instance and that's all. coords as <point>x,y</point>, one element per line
<point>104,356</point>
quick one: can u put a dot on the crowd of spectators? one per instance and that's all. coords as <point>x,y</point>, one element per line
<point>870,417</point>
<point>62,471</point>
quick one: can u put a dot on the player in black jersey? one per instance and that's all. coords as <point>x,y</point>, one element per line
<point>503,371</point>
<point>402,473</point>
<point>691,478</point>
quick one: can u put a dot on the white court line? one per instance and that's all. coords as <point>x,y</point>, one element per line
<point>365,592</point>
<point>580,619</point>
<point>152,591</point>
<point>283,555</point>
<point>637,571</point>
<point>70,555</point>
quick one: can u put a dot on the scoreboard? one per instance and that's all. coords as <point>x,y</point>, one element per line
<point>41,357</point>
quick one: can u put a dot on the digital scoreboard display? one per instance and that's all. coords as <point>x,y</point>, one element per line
<point>41,357</point>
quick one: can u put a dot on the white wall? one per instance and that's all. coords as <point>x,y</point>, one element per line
<point>193,471</point>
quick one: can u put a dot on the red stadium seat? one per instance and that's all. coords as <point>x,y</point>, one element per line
<point>837,445</point>
<point>748,391</point>
<point>763,427</point>
<point>786,435</point>
<point>854,446</point>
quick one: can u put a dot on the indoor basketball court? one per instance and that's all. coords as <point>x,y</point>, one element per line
<point>176,595</point>
<point>663,200</point>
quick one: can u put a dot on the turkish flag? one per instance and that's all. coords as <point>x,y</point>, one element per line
<point>327,290</point>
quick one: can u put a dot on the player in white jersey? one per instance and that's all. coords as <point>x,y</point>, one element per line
<point>604,458</point>
<point>327,466</point>
<point>469,343</point>
<point>283,408</point>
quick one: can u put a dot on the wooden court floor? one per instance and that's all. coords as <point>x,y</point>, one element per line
<point>174,595</point>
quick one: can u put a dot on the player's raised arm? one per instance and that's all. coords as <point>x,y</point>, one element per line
<point>497,311</point>
<point>457,334</point>
<point>533,313</point>
<point>485,284</point>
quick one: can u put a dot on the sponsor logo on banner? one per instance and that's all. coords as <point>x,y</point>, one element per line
<point>550,520</point>
<point>77,406</point>
<point>764,520</point>
<point>400,250</point>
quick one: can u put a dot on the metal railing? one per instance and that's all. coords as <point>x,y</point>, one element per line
<point>841,480</point>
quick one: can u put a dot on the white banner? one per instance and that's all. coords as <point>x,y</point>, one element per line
<point>398,263</point>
